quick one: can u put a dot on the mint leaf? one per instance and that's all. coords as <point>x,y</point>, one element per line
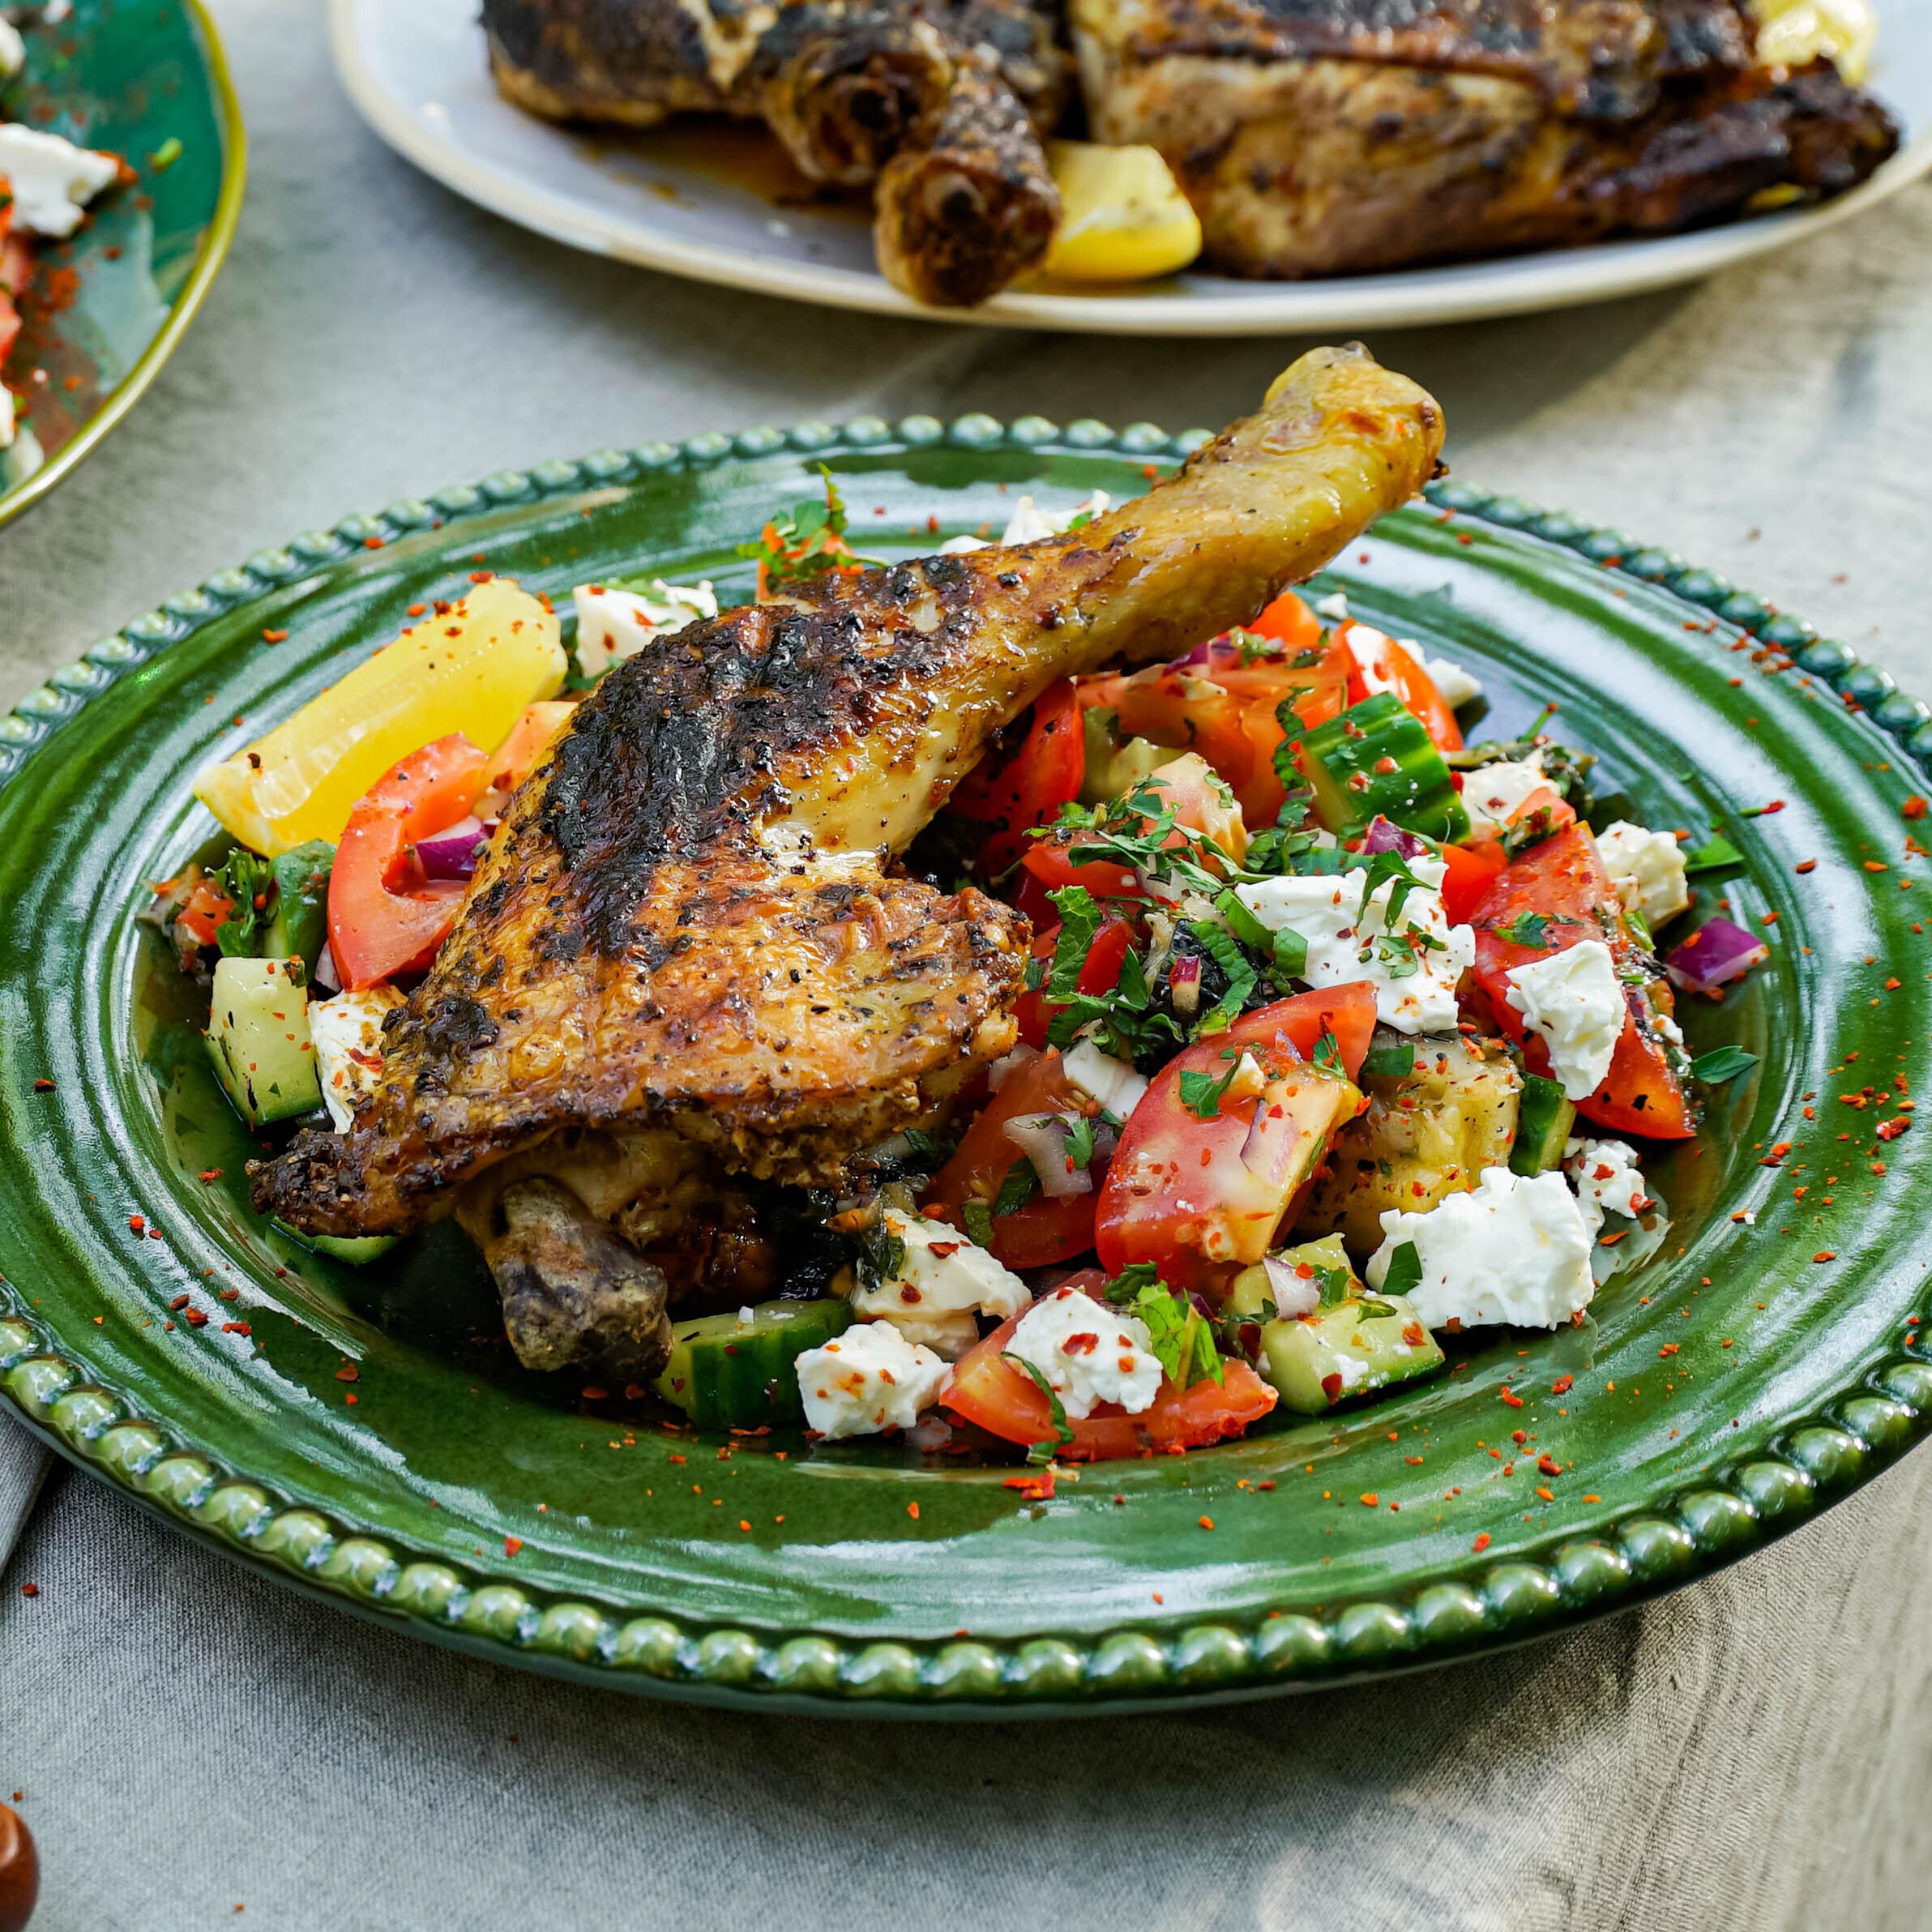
<point>1020,1186</point>
<point>1328,1057</point>
<point>1389,1063</point>
<point>978,1218</point>
<point>1722,1063</point>
<point>1715,852</point>
<point>1042,1452</point>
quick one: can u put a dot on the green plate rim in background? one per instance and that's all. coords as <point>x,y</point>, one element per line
<point>217,233</point>
<point>115,1402</point>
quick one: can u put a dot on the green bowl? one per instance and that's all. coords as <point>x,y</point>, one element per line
<point>135,77</point>
<point>1745,1377</point>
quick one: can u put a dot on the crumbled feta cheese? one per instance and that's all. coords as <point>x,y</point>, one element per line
<point>870,1379</point>
<point>1333,607</point>
<point>1342,934</point>
<point>13,49</point>
<point>1515,1249</point>
<point>613,625</point>
<point>1574,1000</point>
<point>1493,794</point>
<point>1087,1352</point>
<point>347,1034</point>
<point>1028,524</point>
<point>1457,686</point>
<point>1647,869</point>
<point>1669,1029</point>
<point>1102,1078</point>
<point>1605,1176</point>
<point>942,1282</point>
<point>53,181</point>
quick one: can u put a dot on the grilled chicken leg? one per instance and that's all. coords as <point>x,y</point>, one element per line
<point>943,102</point>
<point>687,936</point>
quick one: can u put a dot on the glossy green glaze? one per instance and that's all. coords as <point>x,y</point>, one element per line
<point>456,1498</point>
<point>129,76</point>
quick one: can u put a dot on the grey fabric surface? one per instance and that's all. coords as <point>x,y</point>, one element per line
<point>1753,1753</point>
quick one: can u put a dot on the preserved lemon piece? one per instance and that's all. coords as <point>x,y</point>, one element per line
<point>1792,32</point>
<point>1122,216</point>
<point>471,669</point>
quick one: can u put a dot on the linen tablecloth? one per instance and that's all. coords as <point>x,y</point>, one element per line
<point>190,1741</point>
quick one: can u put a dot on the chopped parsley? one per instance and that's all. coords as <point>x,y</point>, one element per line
<point>978,1218</point>
<point>1180,1338</point>
<point>805,542</point>
<point>1328,1057</point>
<point>1532,929</point>
<point>250,882</point>
<point>1020,1186</point>
<point>1393,1063</point>
<point>1202,1094</point>
<point>1717,851</point>
<point>882,1255</point>
<point>1404,1272</point>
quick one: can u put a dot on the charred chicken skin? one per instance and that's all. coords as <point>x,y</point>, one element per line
<point>687,962</point>
<point>942,103</point>
<point>1322,137</point>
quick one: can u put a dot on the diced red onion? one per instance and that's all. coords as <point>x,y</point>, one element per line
<point>1719,952</point>
<point>1290,1293</point>
<point>1042,1138</point>
<point>1202,653</point>
<point>453,854</point>
<point>998,1070</point>
<point>1383,836</point>
<point>325,974</point>
<point>1272,1138</point>
<point>1184,984</point>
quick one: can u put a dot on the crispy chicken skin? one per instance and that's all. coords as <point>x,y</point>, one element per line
<point>943,102</point>
<point>1320,137</point>
<point>689,925</point>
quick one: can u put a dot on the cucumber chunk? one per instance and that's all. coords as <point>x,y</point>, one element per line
<point>1544,1120</point>
<point>259,1039</point>
<point>299,928</point>
<point>1376,759</point>
<point>1354,1343</point>
<point>1114,764</point>
<point>725,1372</point>
<point>355,1251</point>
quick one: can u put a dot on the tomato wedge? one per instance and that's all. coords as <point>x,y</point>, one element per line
<point>1470,870</point>
<point>1045,1231</point>
<point>384,918</point>
<point>1099,972</point>
<point>1379,664</point>
<point>1194,1195</point>
<point>1029,787</point>
<point>1563,878</point>
<point>1007,1403</point>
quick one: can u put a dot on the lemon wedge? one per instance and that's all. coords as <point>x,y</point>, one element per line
<point>1792,32</point>
<point>472,669</point>
<point>1122,216</point>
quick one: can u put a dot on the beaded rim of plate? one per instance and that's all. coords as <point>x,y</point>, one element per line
<point>1842,1443</point>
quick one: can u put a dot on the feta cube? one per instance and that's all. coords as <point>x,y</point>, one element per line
<point>1515,1249</point>
<point>1573,1000</point>
<point>943,1282</point>
<point>13,49</point>
<point>1088,1353</point>
<point>613,625</point>
<point>52,179</point>
<point>1493,794</point>
<point>868,1380</point>
<point>1342,931</point>
<point>1459,687</point>
<point>1606,1177</point>
<point>1647,869</point>
<point>347,1034</point>
<point>1100,1077</point>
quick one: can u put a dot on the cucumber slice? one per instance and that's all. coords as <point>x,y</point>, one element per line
<point>357,1250</point>
<point>299,928</point>
<point>1115,765</point>
<point>727,1373</point>
<point>259,1039</point>
<point>1543,1120</point>
<point>1373,759</point>
<point>1346,1348</point>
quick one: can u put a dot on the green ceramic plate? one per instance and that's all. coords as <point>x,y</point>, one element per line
<point>1748,1375</point>
<point>134,77</point>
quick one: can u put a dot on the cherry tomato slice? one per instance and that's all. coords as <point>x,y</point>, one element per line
<point>1045,1231</point>
<point>1563,877</point>
<point>1382,664</point>
<point>1029,788</point>
<point>384,918</point>
<point>1470,871</point>
<point>1099,972</point>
